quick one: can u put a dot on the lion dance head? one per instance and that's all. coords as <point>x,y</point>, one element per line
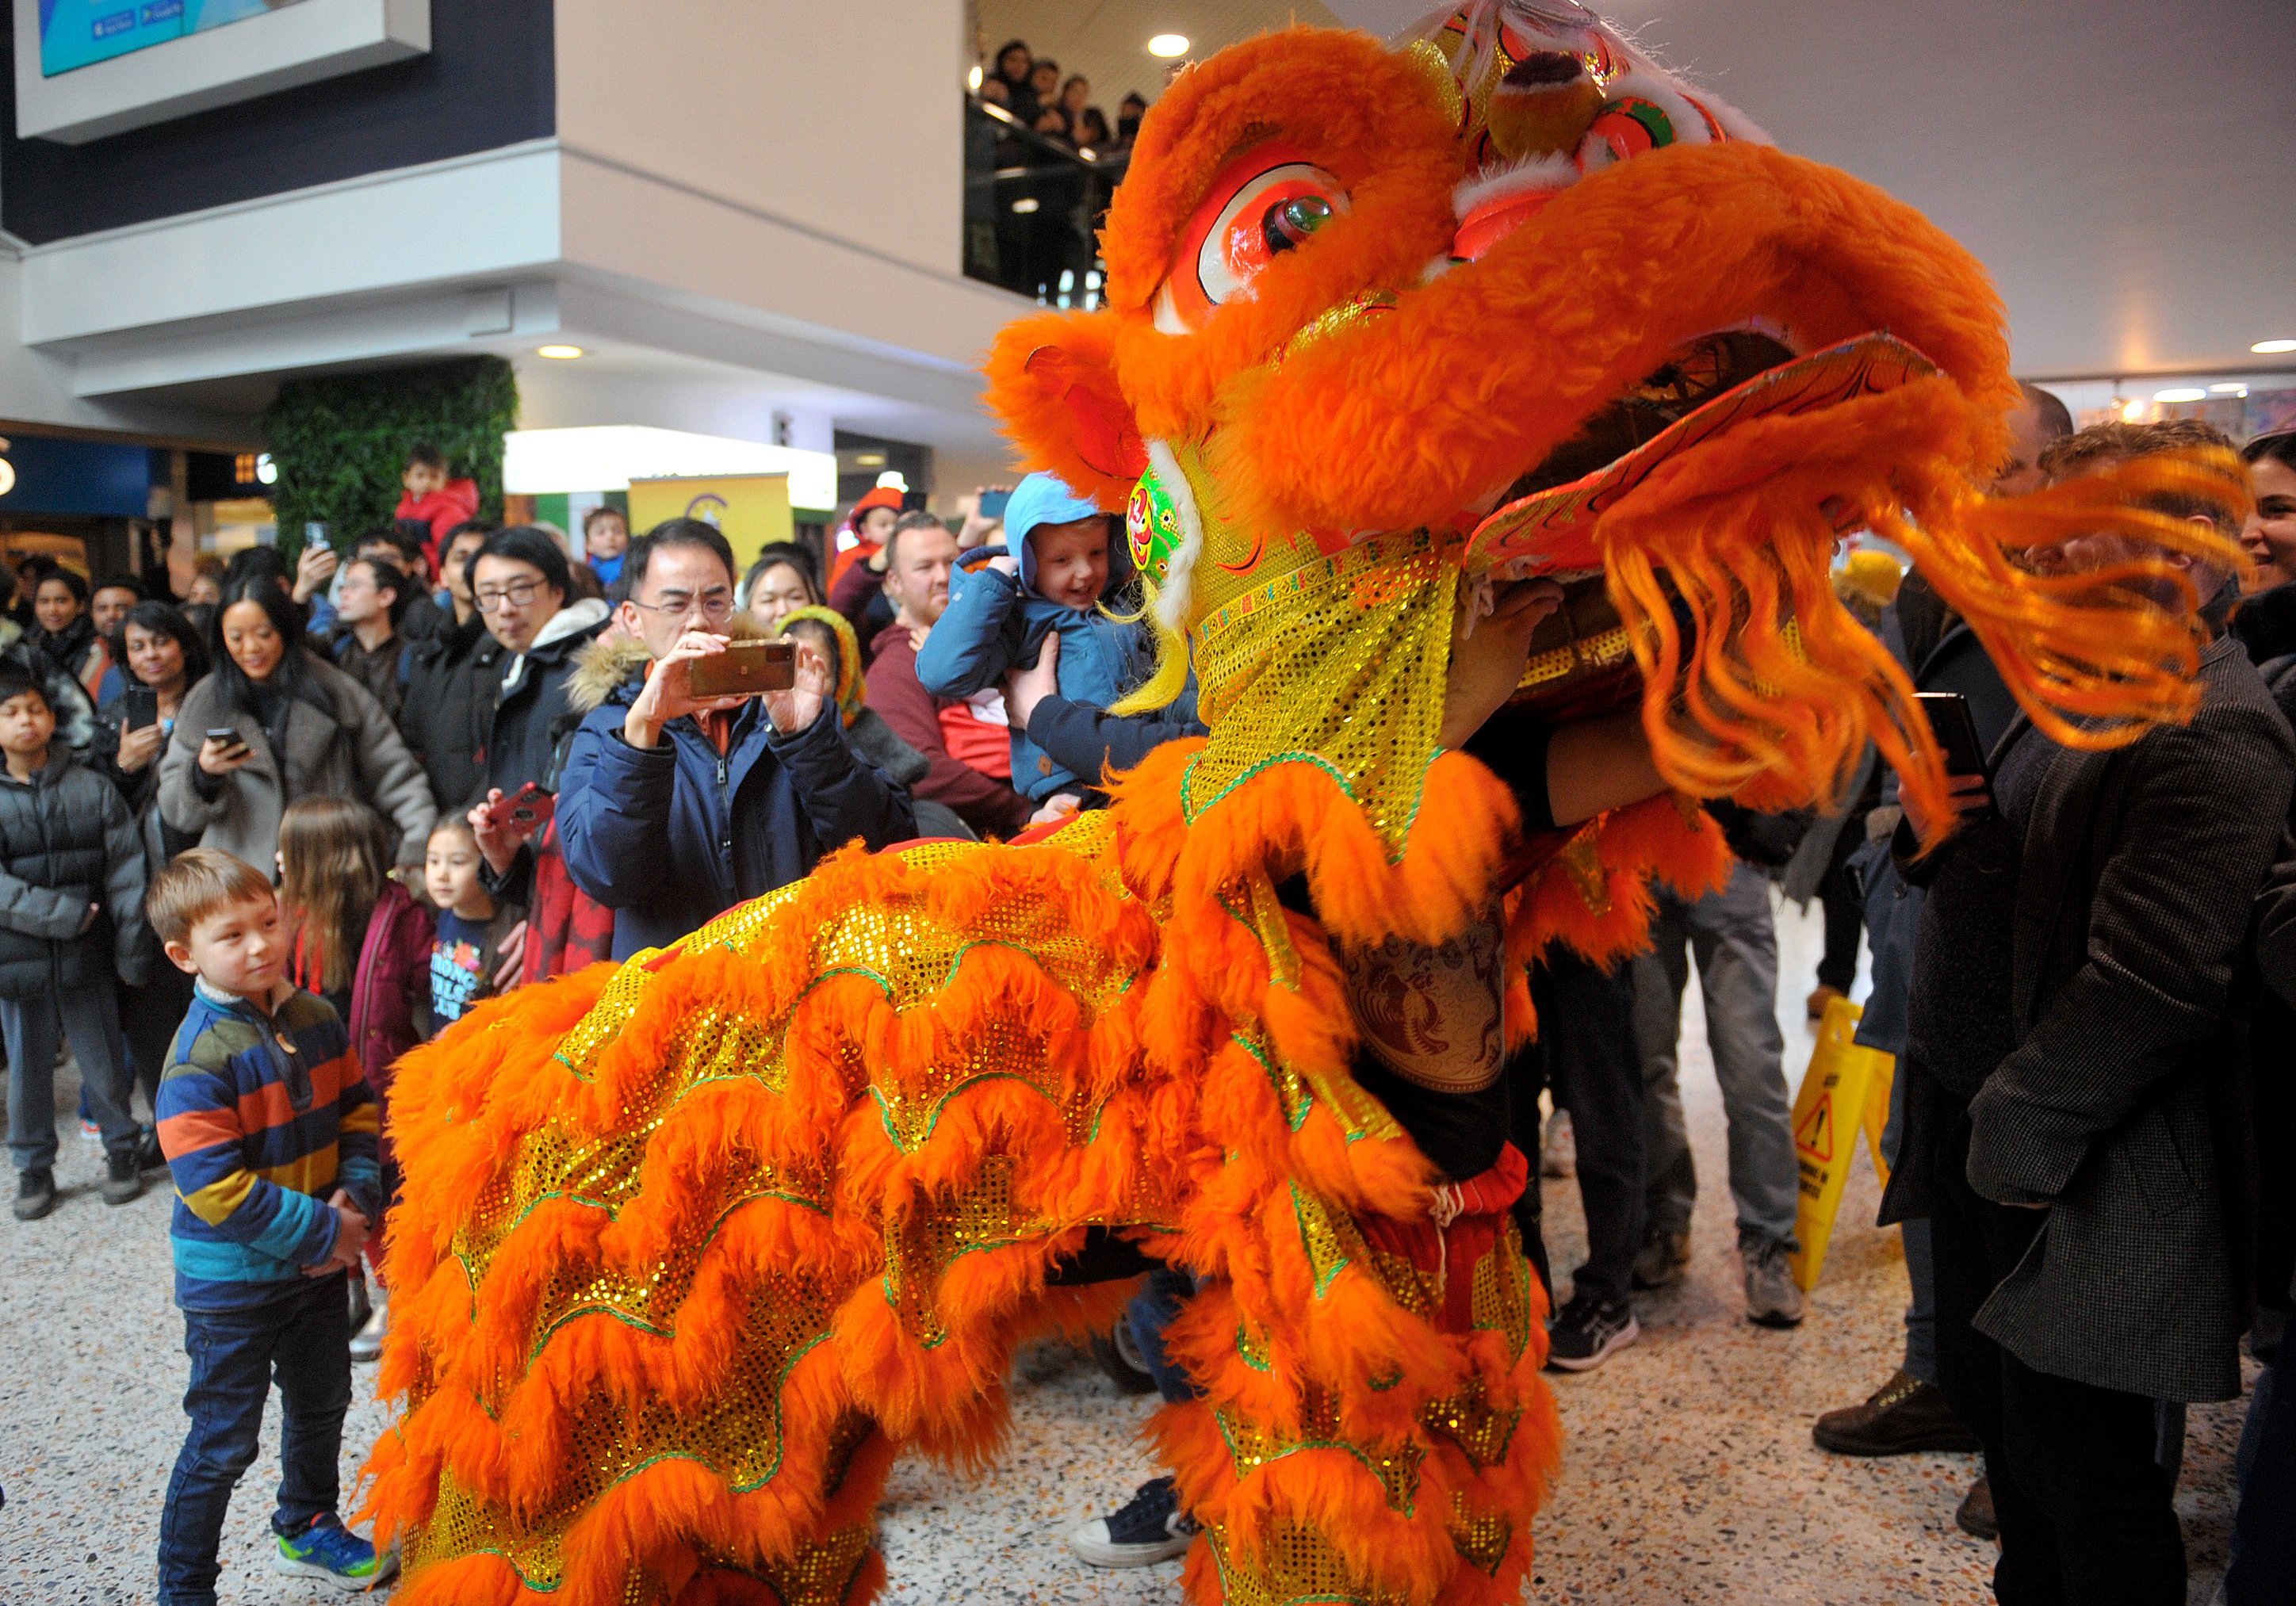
<point>1511,300</point>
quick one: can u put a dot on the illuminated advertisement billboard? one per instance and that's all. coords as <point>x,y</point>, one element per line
<point>79,33</point>
<point>86,69</point>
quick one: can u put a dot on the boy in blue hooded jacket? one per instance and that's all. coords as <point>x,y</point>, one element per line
<point>1062,559</point>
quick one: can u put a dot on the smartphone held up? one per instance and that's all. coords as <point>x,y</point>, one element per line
<point>744,669</point>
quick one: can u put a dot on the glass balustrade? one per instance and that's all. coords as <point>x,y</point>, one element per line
<point>1032,209</point>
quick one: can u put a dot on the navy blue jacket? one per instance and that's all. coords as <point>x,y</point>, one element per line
<point>672,836</point>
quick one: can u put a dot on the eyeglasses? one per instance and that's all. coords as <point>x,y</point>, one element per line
<point>518,594</point>
<point>716,607</point>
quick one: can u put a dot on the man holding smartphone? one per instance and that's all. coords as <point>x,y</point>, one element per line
<point>676,805</point>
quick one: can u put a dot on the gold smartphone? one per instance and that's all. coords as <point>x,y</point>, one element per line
<point>744,669</point>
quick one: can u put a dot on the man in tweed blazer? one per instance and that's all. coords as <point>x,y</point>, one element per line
<point>2074,1127</point>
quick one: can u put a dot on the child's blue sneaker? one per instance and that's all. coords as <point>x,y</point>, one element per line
<point>332,1553</point>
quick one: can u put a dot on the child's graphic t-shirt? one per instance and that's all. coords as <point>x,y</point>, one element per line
<point>458,966</point>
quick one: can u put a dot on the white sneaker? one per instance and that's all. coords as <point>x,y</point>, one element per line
<point>1150,1528</point>
<point>366,1344</point>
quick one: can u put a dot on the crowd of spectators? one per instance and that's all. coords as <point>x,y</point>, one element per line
<point>444,735</point>
<point>454,767</point>
<point>1056,106</point>
<point>1041,162</point>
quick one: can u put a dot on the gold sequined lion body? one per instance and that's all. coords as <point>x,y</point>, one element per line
<point>688,1250</point>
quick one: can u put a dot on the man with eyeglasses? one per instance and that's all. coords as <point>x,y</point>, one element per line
<point>675,808</point>
<point>521,585</point>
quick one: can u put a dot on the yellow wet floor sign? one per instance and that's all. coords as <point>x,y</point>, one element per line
<point>1845,1092</point>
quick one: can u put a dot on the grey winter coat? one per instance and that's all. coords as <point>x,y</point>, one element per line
<point>67,840</point>
<point>354,753</point>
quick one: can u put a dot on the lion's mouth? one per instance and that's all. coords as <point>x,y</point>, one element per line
<point>1691,376</point>
<point>1545,521</point>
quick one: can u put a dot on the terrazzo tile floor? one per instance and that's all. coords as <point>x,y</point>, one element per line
<point>1689,1474</point>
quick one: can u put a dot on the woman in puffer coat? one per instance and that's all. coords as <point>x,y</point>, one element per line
<point>302,728</point>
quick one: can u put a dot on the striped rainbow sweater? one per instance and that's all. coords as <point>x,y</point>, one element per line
<point>261,1117</point>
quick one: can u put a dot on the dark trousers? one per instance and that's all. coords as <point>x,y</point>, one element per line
<point>2263,1570</point>
<point>303,1341</point>
<point>149,1016</point>
<point>35,1030</point>
<point>1586,1054</point>
<point>1845,917</point>
<point>2086,1511</point>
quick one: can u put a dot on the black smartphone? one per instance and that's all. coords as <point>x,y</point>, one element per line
<point>1951,724</point>
<point>232,740</point>
<point>139,707</point>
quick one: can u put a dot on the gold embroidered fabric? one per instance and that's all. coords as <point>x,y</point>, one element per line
<point>1301,1566</point>
<point>1432,1012</point>
<point>1336,658</point>
<point>736,1435</point>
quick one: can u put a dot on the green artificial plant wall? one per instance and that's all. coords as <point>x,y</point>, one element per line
<point>340,441</point>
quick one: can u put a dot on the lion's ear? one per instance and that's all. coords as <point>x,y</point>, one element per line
<point>1052,379</point>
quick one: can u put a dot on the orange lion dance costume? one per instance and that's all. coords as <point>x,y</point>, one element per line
<point>688,1250</point>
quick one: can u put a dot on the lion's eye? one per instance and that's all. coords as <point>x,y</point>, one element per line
<point>1268,202</point>
<point>1287,223</point>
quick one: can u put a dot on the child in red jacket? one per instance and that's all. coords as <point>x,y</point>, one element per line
<point>433,497</point>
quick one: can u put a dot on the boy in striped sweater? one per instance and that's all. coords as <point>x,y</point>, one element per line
<point>270,1131</point>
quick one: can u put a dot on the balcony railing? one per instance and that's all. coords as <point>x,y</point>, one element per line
<point>1032,209</point>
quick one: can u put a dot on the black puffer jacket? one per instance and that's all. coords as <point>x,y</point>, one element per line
<point>527,714</point>
<point>451,682</point>
<point>67,840</point>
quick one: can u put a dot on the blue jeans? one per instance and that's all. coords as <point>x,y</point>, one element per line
<point>1734,936</point>
<point>302,1340</point>
<point>1151,1310</point>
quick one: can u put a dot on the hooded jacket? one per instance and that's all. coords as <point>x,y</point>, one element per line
<point>67,840</point>
<point>672,836</point>
<point>529,698</point>
<point>996,622</point>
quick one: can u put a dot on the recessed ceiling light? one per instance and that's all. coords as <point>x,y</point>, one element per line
<point>1176,44</point>
<point>972,80</point>
<point>1025,205</point>
<point>869,460</point>
<point>2180,393</point>
<point>559,353</point>
<point>2273,347</point>
<point>2132,411</point>
<point>2235,389</point>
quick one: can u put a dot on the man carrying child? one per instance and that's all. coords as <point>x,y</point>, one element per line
<point>270,1131</point>
<point>1063,560</point>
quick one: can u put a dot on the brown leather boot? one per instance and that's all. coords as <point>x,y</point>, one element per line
<point>1903,1415</point>
<point>1975,1517</point>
